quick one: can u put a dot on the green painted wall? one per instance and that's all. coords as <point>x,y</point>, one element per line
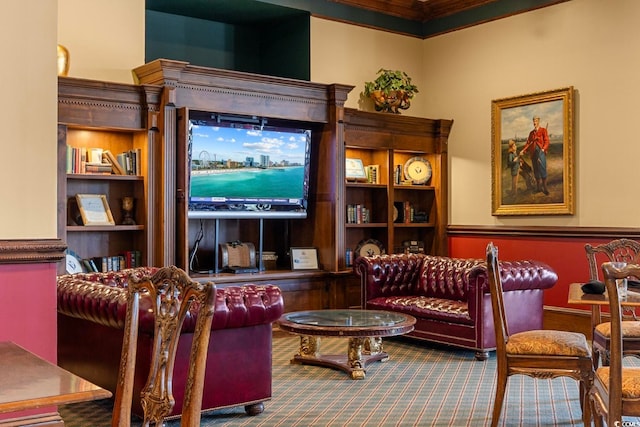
<point>278,46</point>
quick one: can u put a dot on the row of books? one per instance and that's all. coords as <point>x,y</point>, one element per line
<point>406,213</point>
<point>358,214</point>
<point>128,259</point>
<point>100,161</point>
<point>373,174</point>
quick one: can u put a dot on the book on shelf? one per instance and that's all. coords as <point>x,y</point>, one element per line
<point>358,214</point>
<point>130,162</point>
<point>116,167</point>
<point>373,172</point>
<point>94,155</point>
<point>101,168</point>
<point>408,212</point>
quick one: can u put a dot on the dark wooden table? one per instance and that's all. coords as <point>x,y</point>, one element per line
<point>29,382</point>
<point>576,296</point>
<point>364,328</point>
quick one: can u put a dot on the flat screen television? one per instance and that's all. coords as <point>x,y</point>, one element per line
<point>246,167</point>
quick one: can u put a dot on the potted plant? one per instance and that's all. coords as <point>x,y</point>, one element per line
<point>391,91</point>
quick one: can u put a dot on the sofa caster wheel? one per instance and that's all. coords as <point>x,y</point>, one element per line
<point>254,409</point>
<point>482,355</point>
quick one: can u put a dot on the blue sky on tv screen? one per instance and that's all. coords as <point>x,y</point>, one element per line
<point>223,143</point>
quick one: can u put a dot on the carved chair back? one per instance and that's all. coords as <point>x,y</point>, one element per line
<point>171,294</point>
<point>616,389</point>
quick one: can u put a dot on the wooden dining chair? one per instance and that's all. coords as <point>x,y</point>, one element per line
<point>619,250</point>
<point>544,354</point>
<point>171,293</point>
<point>616,388</point>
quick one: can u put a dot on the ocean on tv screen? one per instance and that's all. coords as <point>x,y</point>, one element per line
<point>249,183</point>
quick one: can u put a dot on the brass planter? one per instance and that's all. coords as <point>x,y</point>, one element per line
<point>391,102</point>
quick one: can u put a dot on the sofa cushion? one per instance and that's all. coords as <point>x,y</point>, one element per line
<point>447,310</point>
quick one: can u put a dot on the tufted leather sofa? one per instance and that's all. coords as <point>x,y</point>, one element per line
<point>91,314</point>
<point>450,297</point>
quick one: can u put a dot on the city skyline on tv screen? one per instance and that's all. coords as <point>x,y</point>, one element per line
<point>248,164</point>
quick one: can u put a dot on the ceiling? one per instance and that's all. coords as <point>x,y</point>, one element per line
<point>417,10</point>
<point>440,16</point>
<point>418,18</point>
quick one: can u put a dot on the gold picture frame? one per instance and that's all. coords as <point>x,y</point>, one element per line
<point>533,167</point>
<point>94,209</point>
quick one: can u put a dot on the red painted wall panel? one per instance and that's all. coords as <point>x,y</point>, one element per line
<point>565,255</point>
<point>28,314</point>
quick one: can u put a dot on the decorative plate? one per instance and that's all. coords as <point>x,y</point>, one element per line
<point>369,247</point>
<point>73,264</point>
<point>418,170</point>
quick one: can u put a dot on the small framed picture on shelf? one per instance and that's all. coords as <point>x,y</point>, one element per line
<point>94,209</point>
<point>373,174</point>
<point>354,170</point>
<point>304,259</point>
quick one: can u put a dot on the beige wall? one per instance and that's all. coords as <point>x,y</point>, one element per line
<point>105,38</point>
<point>583,43</point>
<point>342,53</point>
<point>28,119</point>
<point>588,44</point>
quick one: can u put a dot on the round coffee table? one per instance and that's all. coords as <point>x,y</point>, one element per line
<point>364,328</point>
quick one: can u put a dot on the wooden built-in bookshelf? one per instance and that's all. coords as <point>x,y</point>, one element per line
<point>114,117</point>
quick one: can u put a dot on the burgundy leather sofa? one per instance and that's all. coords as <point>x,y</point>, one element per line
<point>91,314</point>
<point>450,297</point>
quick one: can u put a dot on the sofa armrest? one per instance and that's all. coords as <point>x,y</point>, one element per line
<point>390,274</point>
<point>236,306</point>
<point>516,275</point>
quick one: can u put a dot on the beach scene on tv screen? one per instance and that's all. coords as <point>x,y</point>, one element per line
<point>247,163</point>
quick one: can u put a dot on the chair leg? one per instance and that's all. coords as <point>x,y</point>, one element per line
<point>585,404</point>
<point>595,412</point>
<point>501,387</point>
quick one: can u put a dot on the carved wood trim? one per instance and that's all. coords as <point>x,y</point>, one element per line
<point>235,92</point>
<point>31,251</point>
<point>112,105</point>
<point>542,231</point>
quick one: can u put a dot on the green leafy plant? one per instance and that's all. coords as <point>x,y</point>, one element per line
<point>391,80</point>
<point>391,91</point>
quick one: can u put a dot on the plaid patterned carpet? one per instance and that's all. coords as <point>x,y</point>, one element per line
<point>420,385</point>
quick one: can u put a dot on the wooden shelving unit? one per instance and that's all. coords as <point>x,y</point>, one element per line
<point>390,141</point>
<point>112,117</point>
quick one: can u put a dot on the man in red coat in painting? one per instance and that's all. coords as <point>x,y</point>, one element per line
<point>537,146</point>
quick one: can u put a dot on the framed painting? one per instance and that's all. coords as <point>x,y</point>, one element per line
<point>532,154</point>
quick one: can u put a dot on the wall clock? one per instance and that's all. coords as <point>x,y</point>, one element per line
<point>418,170</point>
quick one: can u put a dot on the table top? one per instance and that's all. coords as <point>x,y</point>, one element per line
<point>576,296</point>
<point>347,323</point>
<point>29,382</point>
